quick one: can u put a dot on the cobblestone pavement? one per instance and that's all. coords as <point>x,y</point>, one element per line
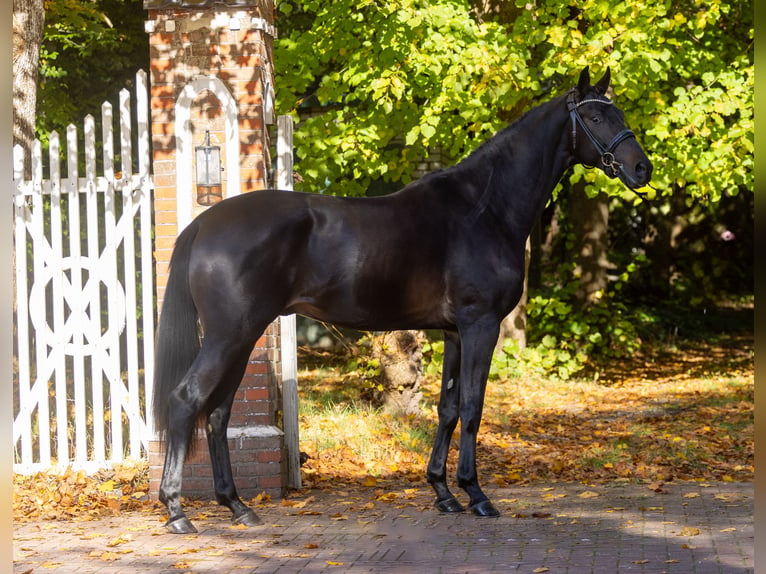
<point>686,528</point>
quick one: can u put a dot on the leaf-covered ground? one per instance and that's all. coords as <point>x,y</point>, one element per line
<point>680,414</point>
<point>685,414</point>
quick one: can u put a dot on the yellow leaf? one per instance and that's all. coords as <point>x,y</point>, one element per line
<point>310,545</point>
<point>107,486</point>
<point>109,556</point>
<point>370,481</point>
<point>215,553</point>
<point>305,501</point>
<point>541,569</point>
<point>588,494</point>
<point>728,530</point>
<point>644,561</point>
<point>689,531</point>
<point>121,539</point>
<point>388,496</point>
<point>692,495</point>
<point>331,563</point>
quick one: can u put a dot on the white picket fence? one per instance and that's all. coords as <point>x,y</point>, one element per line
<point>84,297</point>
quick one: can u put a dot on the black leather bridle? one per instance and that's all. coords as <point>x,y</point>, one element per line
<point>612,167</point>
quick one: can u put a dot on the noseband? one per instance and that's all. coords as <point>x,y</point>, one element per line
<point>611,166</point>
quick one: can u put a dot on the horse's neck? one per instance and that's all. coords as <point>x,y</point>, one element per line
<point>522,166</point>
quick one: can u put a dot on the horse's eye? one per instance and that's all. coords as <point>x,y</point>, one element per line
<point>596,119</point>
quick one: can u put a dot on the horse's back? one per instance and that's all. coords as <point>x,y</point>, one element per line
<point>373,263</point>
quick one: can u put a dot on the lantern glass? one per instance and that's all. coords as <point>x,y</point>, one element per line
<point>208,163</point>
<point>208,167</point>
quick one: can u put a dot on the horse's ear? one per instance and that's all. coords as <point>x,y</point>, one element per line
<point>603,84</point>
<point>583,84</point>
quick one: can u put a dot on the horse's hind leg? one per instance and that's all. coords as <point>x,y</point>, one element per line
<point>449,404</point>
<point>217,424</point>
<point>187,401</point>
<point>183,416</point>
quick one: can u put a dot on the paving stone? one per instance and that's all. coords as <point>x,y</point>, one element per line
<point>611,530</point>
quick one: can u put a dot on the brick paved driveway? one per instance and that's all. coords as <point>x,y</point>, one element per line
<point>559,528</point>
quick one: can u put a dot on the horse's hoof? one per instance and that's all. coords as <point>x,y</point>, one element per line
<point>248,518</point>
<point>449,505</point>
<point>484,509</point>
<point>180,526</point>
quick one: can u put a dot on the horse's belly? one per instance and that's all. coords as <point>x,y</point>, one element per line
<point>383,316</point>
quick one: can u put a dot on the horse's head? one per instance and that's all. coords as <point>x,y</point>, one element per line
<point>600,137</point>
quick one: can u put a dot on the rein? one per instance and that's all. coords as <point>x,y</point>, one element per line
<point>612,167</point>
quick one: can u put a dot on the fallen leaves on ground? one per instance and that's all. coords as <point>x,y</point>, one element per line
<point>686,414</point>
<point>683,415</point>
<point>69,494</point>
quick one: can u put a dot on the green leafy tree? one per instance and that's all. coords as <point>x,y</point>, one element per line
<point>392,80</point>
<point>388,82</point>
<point>90,50</point>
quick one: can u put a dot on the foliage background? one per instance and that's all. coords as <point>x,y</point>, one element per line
<point>90,51</point>
<point>377,88</point>
<point>445,74</point>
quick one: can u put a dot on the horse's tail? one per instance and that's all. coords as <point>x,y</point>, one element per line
<point>177,335</point>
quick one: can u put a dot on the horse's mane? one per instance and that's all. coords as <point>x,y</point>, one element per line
<point>473,167</point>
<point>498,143</point>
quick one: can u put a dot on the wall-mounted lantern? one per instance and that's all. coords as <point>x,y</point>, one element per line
<point>208,161</point>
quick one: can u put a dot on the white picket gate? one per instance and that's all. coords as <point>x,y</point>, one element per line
<point>84,297</point>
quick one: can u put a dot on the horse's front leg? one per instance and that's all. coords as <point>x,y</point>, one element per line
<point>478,342</point>
<point>449,404</point>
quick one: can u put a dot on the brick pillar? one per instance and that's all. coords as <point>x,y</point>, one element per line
<point>211,70</point>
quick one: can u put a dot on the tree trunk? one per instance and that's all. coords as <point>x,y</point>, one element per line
<point>662,246</point>
<point>397,388</point>
<point>28,22</point>
<point>590,217</point>
<point>514,326</point>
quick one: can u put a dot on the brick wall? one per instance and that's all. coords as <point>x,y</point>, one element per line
<point>232,44</point>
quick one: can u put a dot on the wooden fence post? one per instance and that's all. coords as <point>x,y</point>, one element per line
<point>287,323</point>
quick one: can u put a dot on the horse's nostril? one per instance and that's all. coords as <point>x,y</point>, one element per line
<point>643,170</point>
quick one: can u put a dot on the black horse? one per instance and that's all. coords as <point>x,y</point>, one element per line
<point>445,252</point>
